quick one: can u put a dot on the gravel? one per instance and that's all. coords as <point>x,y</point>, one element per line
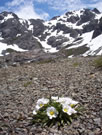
<point>21,86</point>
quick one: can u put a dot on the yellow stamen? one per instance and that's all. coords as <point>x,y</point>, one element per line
<point>51,113</point>
<point>72,105</point>
<point>65,110</point>
<point>41,105</point>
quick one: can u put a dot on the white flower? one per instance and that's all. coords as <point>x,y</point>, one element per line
<point>52,112</point>
<point>41,102</point>
<point>54,98</point>
<point>67,109</point>
<point>34,112</point>
<point>67,101</point>
<point>73,103</point>
<point>64,100</point>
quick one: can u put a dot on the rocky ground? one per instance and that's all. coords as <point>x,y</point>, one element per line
<point>22,85</point>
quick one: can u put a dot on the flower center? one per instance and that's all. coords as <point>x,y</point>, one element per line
<point>65,110</point>
<point>51,113</point>
<point>41,105</point>
<point>72,105</point>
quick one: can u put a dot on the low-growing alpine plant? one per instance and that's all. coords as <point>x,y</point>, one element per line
<point>55,110</point>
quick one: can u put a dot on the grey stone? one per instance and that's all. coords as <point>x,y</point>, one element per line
<point>44,89</point>
<point>91,133</point>
<point>100,113</point>
<point>97,121</point>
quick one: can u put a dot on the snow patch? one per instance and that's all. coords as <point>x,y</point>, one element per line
<point>30,27</point>
<point>18,35</point>
<point>71,56</point>
<point>86,39</point>
<point>22,21</point>
<point>1,38</point>
<point>98,16</point>
<point>9,16</point>
<point>78,12</point>
<point>47,48</point>
<point>4,46</point>
<point>50,23</point>
<point>95,46</point>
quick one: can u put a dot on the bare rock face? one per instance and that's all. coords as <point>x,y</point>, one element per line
<point>73,19</point>
<point>96,11</point>
<point>86,16</point>
<point>100,24</point>
<point>57,41</point>
<point>98,29</point>
<point>15,31</point>
<point>91,26</point>
<point>38,27</point>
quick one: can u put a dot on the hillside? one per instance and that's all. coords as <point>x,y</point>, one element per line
<point>76,33</point>
<point>22,85</point>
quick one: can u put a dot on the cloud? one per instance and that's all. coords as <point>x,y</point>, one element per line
<point>63,5</point>
<point>97,5</point>
<point>14,3</point>
<point>44,16</point>
<point>28,9</point>
<point>67,5</point>
<point>24,9</point>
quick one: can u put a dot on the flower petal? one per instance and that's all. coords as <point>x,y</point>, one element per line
<point>67,109</point>
<point>41,102</point>
<point>52,112</point>
<point>34,112</point>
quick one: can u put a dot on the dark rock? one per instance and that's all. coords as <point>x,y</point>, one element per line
<point>100,24</point>
<point>96,33</point>
<point>96,11</point>
<point>92,25</point>
<point>73,19</point>
<point>57,41</point>
<point>12,27</point>
<point>74,33</point>
<point>68,13</point>
<point>62,27</point>
<point>38,26</point>
<point>27,42</point>
<point>1,17</point>
<point>98,29</point>
<point>87,16</point>
<point>55,17</point>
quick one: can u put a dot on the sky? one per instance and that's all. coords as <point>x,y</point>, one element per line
<point>46,9</point>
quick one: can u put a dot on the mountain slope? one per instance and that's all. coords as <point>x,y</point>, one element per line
<point>74,33</point>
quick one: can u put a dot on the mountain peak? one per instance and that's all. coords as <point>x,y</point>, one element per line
<point>5,14</point>
<point>96,11</point>
<point>73,33</point>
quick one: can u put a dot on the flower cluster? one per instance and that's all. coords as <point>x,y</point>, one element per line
<point>55,110</point>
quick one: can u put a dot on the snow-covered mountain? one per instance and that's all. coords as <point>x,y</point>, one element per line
<point>72,34</point>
